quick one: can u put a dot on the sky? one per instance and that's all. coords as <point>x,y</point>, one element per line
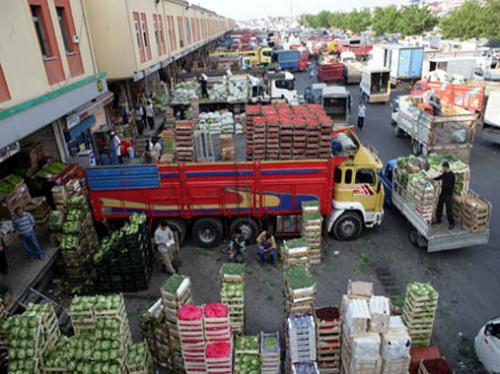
<point>248,9</point>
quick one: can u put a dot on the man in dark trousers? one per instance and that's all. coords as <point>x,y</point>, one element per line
<point>204,86</point>
<point>447,179</point>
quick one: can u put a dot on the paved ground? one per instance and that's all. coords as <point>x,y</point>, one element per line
<point>467,280</point>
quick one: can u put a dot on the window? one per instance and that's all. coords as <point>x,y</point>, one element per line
<point>337,175</point>
<point>61,17</point>
<point>41,31</point>
<point>286,84</point>
<point>365,176</point>
<point>348,176</point>
<point>188,32</point>
<point>157,38</point>
<point>162,35</point>
<point>137,33</point>
<point>144,33</point>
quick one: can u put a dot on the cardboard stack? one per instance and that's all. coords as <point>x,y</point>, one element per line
<point>328,338</point>
<point>419,311</point>
<point>284,132</point>
<point>300,290</point>
<point>184,149</point>
<point>295,252</point>
<point>192,338</point>
<point>312,225</point>
<point>301,339</point>
<point>233,294</point>
<point>175,292</point>
<point>270,353</point>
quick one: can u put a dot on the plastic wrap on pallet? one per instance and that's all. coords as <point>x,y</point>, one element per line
<point>380,310</point>
<point>366,346</point>
<point>396,343</point>
<point>357,317</point>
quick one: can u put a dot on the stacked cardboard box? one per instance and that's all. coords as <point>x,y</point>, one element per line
<point>184,150</point>
<point>312,225</point>
<point>300,290</point>
<point>295,252</point>
<point>328,338</point>
<point>175,292</point>
<point>284,132</point>
<point>233,294</point>
<point>419,312</point>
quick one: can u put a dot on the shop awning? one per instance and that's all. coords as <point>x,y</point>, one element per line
<point>84,125</point>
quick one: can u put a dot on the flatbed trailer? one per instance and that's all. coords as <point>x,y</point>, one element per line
<point>423,234</point>
<point>430,133</point>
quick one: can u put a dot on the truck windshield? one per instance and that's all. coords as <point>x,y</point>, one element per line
<point>285,84</point>
<point>365,176</point>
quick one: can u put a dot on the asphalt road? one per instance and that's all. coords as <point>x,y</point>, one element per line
<point>467,280</point>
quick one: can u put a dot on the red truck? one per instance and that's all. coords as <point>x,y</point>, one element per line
<point>470,98</point>
<point>209,197</point>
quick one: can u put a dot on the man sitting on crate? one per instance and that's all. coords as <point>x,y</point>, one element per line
<point>165,243</point>
<point>267,246</point>
<point>446,197</point>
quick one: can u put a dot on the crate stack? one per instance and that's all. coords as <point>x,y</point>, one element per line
<point>139,359</point>
<point>168,145</point>
<point>217,323</point>
<point>299,139</point>
<point>328,338</point>
<point>301,339</point>
<point>251,111</point>
<point>475,214</point>
<point>184,149</point>
<point>78,241</point>
<point>233,294</point>
<point>175,292</point>
<point>312,226</point>
<point>124,261</point>
<point>26,333</point>
<point>270,353</point>
<point>55,223</point>
<point>300,290</point>
<point>50,323</point>
<point>396,344</point>
<point>360,350</point>
<point>258,144</point>
<point>246,355</point>
<point>295,252</point>
<point>153,327</point>
<point>192,338</point>
<point>419,311</point>
<point>325,142</point>
<point>219,357</point>
<point>421,194</point>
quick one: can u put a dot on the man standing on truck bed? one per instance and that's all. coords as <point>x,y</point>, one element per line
<point>447,179</point>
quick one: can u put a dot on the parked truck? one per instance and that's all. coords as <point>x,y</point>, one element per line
<point>211,199</point>
<point>459,66</point>
<point>491,118</point>
<point>336,101</point>
<point>352,69</point>
<point>287,59</point>
<point>451,132</point>
<point>424,234</point>
<point>375,84</point>
<point>404,62</point>
<point>257,57</point>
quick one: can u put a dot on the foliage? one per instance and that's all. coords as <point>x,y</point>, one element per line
<point>385,20</point>
<point>473,20</point>
<point>414,20</point>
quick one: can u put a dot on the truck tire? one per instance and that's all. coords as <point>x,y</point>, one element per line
<point>397,131</point>
<point>207,232</point>
<point>416,239</point>
<point>179,226</point>
<point>416,148</point>
<point>248,228</point>
<point>348,226</point>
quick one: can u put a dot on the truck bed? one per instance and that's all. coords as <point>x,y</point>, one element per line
<point>439,237</point>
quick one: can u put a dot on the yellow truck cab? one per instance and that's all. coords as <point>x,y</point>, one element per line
<point>259,56</point>
<point>358,199</point>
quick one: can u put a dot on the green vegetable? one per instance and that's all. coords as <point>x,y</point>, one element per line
<point>298,276</point>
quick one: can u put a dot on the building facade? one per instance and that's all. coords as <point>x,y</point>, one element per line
<point>51,90</point>
<point>135,40</point>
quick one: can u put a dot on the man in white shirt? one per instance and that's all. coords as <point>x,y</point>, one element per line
<point>115,148</point>
<point>150,114</point>
<point>165,243</point>
<point>361,115</point>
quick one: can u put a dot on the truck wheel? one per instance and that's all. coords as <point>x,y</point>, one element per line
<point>248,228</point>
<point>207,232</point>
<point>416,148</point>
<point>348,226</point>
<point>397,131</point>
<point>416,239</point>
<point>179,226</point>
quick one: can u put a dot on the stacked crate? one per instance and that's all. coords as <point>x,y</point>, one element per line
<point>301,339</point>
<point>26,333</point>
<point>421,194</point>
<point>153,327</point>
<point>175,292</point>
<point>60,196</point>
<point>192,338</point>
<point>219,357</point>
<point>217,322</point>
<point>312,225</point>
<point>258,143</point>
<point>270,353</point>
<point>139,359</point>
<point>79,240</point>
<point>295,252</point>
<point>50,323</point>
<point>246,355</point>
<point>168,145</point>
<point>419,311</point>
<point>475,214</point>
<point>184,149</point>
<point>328,338</point>
<point>233,294</point>
<point>396,344</point>
<point>300,290</point>
<point>325,142</point>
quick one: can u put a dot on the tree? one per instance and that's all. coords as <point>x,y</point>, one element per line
<point>415,20</point>
<point>385,20</point>
<point>358,21</point>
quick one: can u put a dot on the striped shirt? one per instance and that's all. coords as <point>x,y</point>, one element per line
<point>24,224</point>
